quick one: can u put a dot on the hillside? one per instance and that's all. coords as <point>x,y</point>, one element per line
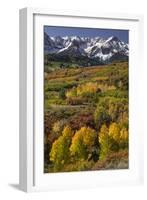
<point>86,106</point>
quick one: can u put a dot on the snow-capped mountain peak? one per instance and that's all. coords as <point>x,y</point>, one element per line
<point>97,48</point>
<point>113,38</point>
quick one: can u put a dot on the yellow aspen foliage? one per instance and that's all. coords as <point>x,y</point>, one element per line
<point>58,127</point>
<point>67,132</point>
<point>89,136</point>
<point>86,88</point>
<point>124,134</point>
<point>114,131</point>
<point>124,138</point>
<point>92,87</point>
<point>60,153</point>
<point>82,142</point>
<point>105,143</point>
<point>103,132</point>
<point>109,140</point>
<point>72,92</point>
<point>77,147</point>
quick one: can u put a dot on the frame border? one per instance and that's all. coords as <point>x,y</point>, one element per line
<point>26,83</point>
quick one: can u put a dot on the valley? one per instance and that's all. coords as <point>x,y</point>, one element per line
<point>85,116</point>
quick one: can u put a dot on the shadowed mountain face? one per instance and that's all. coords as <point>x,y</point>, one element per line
<point>92,50</point>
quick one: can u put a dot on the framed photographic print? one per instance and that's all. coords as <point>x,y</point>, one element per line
<point>80,122</point>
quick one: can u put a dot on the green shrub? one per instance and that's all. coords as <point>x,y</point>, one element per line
<point>62,94</point>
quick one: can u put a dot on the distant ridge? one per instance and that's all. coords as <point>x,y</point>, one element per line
<point>95,50</point>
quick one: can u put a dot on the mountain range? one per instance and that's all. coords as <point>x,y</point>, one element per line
<point>85,50</point>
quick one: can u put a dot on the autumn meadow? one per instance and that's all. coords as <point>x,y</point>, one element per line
<point>85,116</point>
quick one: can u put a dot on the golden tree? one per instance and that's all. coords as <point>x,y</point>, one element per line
<point>60,153</point>
<point>83,142</point>
<point>109,139</point>
<point>114,131</point>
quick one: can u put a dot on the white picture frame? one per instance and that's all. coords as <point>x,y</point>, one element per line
<point>31,113</point>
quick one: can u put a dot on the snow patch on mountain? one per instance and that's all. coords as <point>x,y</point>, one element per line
<point>93,48</point>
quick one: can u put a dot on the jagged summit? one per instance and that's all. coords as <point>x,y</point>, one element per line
<point>96,48</point>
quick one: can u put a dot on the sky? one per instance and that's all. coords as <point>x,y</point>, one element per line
<point>86,32</point>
